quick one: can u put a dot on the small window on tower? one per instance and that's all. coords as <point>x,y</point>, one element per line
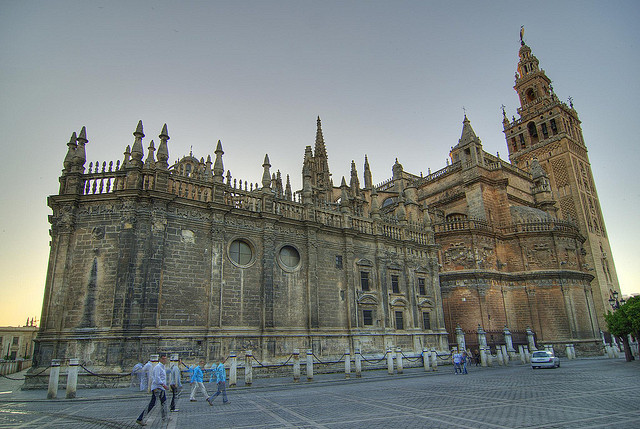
<point>399,320</point>
<point>421,288</point>
<point>339,262</point>
<point>364,280</point>
<point>554,127</point>
<point>367,317</point>
<point>395,284</point>
<point>545,132</point>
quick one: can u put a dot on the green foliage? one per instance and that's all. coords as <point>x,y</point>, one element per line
<point>626,319</point>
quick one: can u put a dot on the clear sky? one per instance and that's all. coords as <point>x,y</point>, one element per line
<point>388,78</point>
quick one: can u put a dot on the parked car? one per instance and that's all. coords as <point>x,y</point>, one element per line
<point>544,359</point>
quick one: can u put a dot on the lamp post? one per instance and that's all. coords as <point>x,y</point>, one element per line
<point>616,305</point>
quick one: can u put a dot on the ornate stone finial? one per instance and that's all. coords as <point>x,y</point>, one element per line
<point>71,151</point>
<point>163,149</point>
<point>522,35</point>
<point>344,195</point>
<point>218,167</point>
<point>207,170</point>
<point>136,150</point>
<point>266,175</point>
<point>354,183</point>
<point>368,183</point>
<point>320,149</point>
<point>80,155</point>
<point>375,207</point>
<point>150,162</point>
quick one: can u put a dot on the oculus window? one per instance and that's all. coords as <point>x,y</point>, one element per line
<point>289,257</point>
<point>240,252</point>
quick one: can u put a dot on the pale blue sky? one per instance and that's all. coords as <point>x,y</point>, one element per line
<point>389,79</point>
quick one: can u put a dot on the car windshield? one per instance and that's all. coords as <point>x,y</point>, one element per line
<point>540,354</point>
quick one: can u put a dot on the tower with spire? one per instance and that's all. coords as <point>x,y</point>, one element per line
<point>547,135</point>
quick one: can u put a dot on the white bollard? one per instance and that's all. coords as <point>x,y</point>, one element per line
<point>54,374</point>
<point>399,362</point>
<point>347,364</point>
<point>296,365</point>
<point>389,361</point>
<point>358,364</point>
<point>573,351</point>
<point>248,368</point>
<point>72,378</point>
<point>505,355</point>
<point>233,370</point>
<point>309,365</point>
<point>483,357</point>
<point>425,359</point>
<point>567,349</point>
<point>523,358</point>
<point>499,356</point>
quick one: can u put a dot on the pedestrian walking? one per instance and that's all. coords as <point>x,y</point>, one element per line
<point>135,375</point>
<point>221,380</point>
<point>145,374</point>
<point>175,383</point>
<point>465,359</point>
<point>196,381</point>
<point>456,357</point>
<point>158,388</point>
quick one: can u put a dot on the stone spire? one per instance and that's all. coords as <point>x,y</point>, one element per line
<point>136,150</point>
<point>71,151</point>
<point>354,183</point>
<point>344,196</point>
<point>320,149</point>
<point>80,156</point>
<point>287,192</point>
<point>207,170</point>
<point>468,135</point>
<point>163,149</point>
<point>368,183</point>
<point>266,175</point>
<point>218,167</point>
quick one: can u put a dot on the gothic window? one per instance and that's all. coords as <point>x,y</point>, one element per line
<point>289,257</point>
<point>240,252</point>
<point>421,288</point>
<point>533,132</point>
<point>531,95</point>
<point>554,127</point>
<point>395,284</point>
<point>399,320</point>
<point>426,320</point>
<point>522,142</point>
<point>367,317</point>
<point>545,132</point>
<point>364,280</point>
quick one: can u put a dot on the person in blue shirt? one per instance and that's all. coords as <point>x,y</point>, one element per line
<point>221,380</point>
<point>196,381</point>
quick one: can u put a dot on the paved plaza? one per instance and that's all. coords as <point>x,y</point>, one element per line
<point>583,393</point>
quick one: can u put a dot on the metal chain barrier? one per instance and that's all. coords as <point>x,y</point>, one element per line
<point>415,359</point>
<point>26,375</point>
<point>446,356</point>
<point>108,376</point>
<point>328,363</point>
<point>375,361</point>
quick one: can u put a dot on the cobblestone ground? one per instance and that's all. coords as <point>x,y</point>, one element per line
<point>586,393</point>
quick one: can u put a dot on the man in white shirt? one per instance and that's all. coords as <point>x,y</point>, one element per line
<point>174,379</point>
<point>158,388</point>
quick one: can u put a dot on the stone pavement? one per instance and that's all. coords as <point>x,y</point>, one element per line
<point>583,393</point>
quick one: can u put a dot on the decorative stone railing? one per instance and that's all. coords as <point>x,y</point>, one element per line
<point>514,228</point>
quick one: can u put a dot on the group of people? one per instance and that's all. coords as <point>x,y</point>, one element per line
<point>164,378</point>
<point>460,362</point>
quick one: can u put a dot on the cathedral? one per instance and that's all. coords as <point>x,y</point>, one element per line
<point>149,256</point>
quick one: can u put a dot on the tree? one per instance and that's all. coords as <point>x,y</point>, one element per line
<point>624,321</point>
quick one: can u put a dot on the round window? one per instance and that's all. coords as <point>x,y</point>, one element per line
<point>289,257</point>
<point>240,252</point>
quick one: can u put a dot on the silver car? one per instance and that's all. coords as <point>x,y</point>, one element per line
<point>544,359</point>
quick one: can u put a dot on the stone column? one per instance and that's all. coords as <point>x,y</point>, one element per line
<point>72,378</point>
<point>248,369</point>
<point>296,365</point>
<point>389,361</point>
<point>531,340</point>
<point>508,340</point>
<point>573,351</point>
<point>54,374</point>
<point>309,365</point>
<point>358,364</point>
<point>499,356</point>
<point>399,362</point>
<point>505,354</point>
<point>434,359</point>
<point>233,370</point>
<point>426,356</point>
<point>567,349</point>
<point>460,338</point>
<point>347,363</point>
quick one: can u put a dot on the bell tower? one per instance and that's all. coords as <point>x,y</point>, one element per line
<point>549,130</point>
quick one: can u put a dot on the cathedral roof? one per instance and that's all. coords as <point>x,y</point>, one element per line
<point>523,214</point>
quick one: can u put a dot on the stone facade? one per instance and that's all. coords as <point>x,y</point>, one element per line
<point>185,258</point>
